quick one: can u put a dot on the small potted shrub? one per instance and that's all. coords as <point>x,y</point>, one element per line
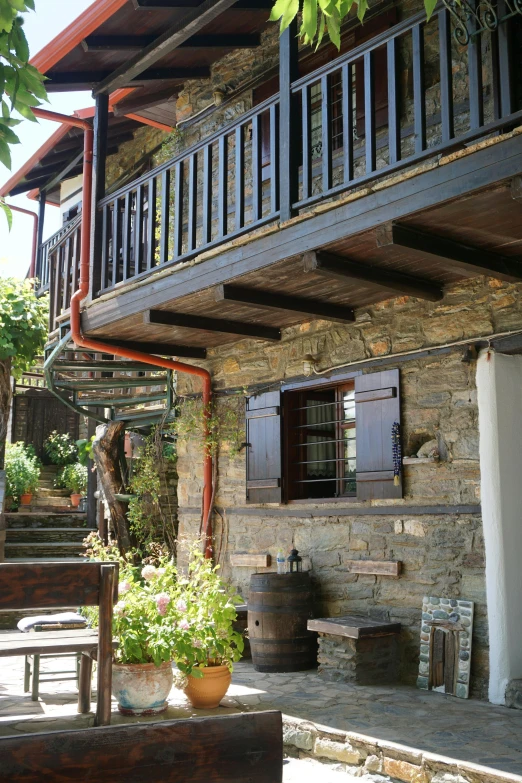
<point>74,477</point>
<point>22,469</point>
<point>206,643</point>
<point>60,448</point>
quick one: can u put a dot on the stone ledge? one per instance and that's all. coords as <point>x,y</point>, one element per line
<point>361,754</point>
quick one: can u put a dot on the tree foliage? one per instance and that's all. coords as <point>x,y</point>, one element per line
<point>23,324</point>
<point>323,16</point>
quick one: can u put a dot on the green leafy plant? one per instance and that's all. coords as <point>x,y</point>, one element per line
<point>226,422</point>
<point>73,477</point>
<point>22,470</point>
<point>323,16</point>
<point>60,448</point>
<point>21,85</point>
<point>84,448</point>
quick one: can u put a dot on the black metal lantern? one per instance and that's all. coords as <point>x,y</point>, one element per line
<point>295,562</point>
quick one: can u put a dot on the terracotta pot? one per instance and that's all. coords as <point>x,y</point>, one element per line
<point>206,692</point>
<point>75,499</point>
<point>25,500</point>
<point>141,688</point>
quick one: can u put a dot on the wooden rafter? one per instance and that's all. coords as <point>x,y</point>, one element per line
<point>344,269</point>
<point>452,255</point>
<point>132,43</point>
<point>188,321</point>
<point>63,81</point>
<point>272,301</point>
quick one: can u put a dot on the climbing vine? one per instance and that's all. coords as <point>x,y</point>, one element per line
<point>226,422</point>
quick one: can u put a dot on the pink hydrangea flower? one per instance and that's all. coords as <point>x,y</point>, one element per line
<point>162,601</point>
<point>197,643</point>
<point>149,572</point>
<point>181,606</point>
<point>124,587</point>
<point>119,609</point>
<point>184,625</point>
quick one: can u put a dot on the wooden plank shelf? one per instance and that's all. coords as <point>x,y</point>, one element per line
<point>376,567</point>
<point>255,561</point>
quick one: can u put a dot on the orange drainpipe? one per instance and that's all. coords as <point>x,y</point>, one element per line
<point>92,345</point>
<point>32,268</point>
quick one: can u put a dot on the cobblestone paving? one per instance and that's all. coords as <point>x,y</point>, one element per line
<point>465,730</point>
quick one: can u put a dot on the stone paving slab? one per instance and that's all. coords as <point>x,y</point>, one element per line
<point>396,731</point>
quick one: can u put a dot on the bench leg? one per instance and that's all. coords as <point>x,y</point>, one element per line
<point>84,684</point>
<point>27,675</point>
<point>36,677</point>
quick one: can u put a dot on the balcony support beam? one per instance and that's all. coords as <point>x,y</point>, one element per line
<point>344,270</point>
<point>272,301</point>
<point>454,256</point>
<point>190,321</point>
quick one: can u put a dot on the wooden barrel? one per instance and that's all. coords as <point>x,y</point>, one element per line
<point>279,607</point>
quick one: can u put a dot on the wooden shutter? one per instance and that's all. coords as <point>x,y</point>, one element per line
<point>263,435</point>
<point>377,408</point>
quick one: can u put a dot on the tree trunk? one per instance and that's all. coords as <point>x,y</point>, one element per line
<point>107,457</point>
<point>5,405</point>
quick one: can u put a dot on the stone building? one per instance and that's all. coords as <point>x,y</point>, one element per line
<point>334,237</point>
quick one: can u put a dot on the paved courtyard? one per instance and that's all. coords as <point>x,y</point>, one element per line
<point>464,730</point>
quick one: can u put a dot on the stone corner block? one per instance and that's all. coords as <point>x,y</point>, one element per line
<point>337,751</point>
<point>403,770</point>
<point>298,737</point>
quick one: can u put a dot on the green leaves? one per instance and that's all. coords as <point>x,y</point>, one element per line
<point>20,83</point>
<point>23,324</point>
<point>320,16</point>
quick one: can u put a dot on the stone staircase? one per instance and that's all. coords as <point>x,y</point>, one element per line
<point>48,528</point>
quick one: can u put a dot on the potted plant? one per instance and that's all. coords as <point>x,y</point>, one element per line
<point>206,643</point>
<point>22,468</point>
<point>74,477</point>
<point>60,448</point>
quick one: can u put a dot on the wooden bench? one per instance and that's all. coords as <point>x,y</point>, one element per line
<point>228,749</point>
<point>53,585</point>
<point>357,649</point>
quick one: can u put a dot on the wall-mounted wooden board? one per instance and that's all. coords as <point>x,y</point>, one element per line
<point>377,567</point>
<point>255,561</point>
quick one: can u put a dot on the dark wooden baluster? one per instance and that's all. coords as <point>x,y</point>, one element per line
<point>240,178</point>
<point>104,281</point>
<point>207,194</point>
<point>192,201</point>
<point>476,102</point>
<point>151,223</point>
<point>51,292</point>
<point>67,254</point>
<point>274,159</point>
<point>369,111</point>
<point>419,103</point>
<point>306,115</point>
<point>178,209</point>
<point>165,216</point>
<point>116,241</point>
<point>394,111</point>
<point>326,132</point>
<point>57,282</point>
<point>127,237</point>
<point>138,231</point>
<point>347,87</point>
<point>76,260</point>
<point>446,76</point>
<point>257,178</point>
<point>223,186</point>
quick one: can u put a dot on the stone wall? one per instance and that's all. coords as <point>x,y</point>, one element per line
<point>442,553</point>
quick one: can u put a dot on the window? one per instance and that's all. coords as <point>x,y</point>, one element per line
<point>323,441</point>
<point>319,427</point>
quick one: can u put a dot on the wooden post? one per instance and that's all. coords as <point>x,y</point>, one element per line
<point>103,708</point>
<point>92,481</point>
<point>40,229</point>
<point>101,124</point>
<point>106,454</point>
<point>288,125</point>
<point>84,684</point>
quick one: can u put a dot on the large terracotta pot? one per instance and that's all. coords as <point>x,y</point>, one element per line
<point>141,688</point>
<point>25,499</point>
<point>75,499</point>
<point>206,692</point>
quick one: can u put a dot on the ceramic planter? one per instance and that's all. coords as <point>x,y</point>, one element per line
<point>26,498</point>
<point>75,499</point>
<point>206,692</point>
<point>141,688</point>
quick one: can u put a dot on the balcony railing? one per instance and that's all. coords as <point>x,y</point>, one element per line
<point>410,93</point>
<point>60,262</point>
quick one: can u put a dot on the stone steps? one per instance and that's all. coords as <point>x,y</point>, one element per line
<point>43,519</point>
<point>58,501</point>
<point>44,535</point>
<point>52,492</point>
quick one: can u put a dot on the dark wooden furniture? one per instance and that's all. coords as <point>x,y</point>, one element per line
<point>231,749</point>
<point>32,660</point>
<point>357,649</point>
<point>53,585</point>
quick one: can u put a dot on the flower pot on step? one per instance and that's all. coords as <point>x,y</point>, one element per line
<point>25,500</point>
<point>141,688</point>
<point>206,692</point>
<point>75,499</point>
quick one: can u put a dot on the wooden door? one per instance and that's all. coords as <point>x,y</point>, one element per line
<point>37,413</point>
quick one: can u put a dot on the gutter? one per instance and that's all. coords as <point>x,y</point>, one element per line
<point>92,345</point>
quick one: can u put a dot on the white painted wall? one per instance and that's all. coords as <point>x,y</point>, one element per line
<point>499,385</point>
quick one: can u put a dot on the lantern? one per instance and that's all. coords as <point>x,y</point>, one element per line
<point>295,562</point>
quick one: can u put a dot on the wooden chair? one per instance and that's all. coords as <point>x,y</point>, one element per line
<point>245,748</point>
<point>51,586</point>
